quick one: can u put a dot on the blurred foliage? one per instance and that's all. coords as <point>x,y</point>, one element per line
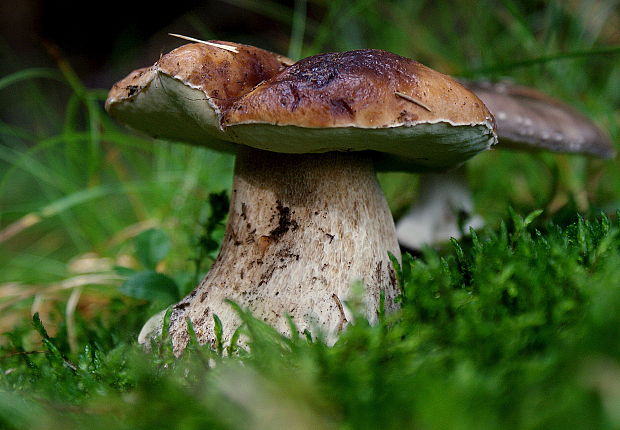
<point>511,330</point>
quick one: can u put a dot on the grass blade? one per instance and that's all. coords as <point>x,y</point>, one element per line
<point>27,74</point>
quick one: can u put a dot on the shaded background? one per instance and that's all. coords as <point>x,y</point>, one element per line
<point>107,40</point>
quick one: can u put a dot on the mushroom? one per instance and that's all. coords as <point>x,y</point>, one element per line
<point>527,119</point>
<point>182,96</point>
<point>307,218</point>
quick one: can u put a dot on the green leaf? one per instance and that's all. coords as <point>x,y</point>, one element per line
<point>532,216</point>
<point>150,285</point>
<point>234,340</point>
<point>218,328</point>
<point>397,268</point>
<point>193,338</point>
<point>124,271</point>
<point>38,326</point>
<point>28,74</point>
<point>152,246</point>
<point>54,355</point>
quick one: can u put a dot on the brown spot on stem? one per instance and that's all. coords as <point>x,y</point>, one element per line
<point>263,244</point>
<point>343,318</point>
<point>284,222</point>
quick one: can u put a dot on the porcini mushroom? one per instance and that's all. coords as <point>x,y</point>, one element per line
<point>181,97</point>
<point>527,119</point>
<point>307,217</point>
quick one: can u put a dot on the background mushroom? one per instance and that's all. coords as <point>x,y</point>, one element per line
<point>307,217</point>
<point>527,119</point>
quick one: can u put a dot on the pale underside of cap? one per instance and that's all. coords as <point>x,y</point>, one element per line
<point>420,147</point>
<point>182,96</point>
<point>166,107</point>
<point>528,119</point>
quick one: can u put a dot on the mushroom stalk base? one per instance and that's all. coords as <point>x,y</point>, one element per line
<point>302,229</point>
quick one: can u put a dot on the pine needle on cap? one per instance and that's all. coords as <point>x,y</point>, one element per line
<point>217,45</point>
<point>412,100</point>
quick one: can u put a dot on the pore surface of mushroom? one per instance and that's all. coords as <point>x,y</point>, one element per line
<point>527,119</point>
<point>307,218</point>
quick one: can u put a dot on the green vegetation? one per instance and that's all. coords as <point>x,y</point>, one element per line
<point>516,330</point>
<point>515,327</point>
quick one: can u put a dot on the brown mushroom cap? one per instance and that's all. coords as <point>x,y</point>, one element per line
<point>223,75</point>
<point>364,100</point>
<point>364,89</point>
<point>182,95</point>
<point>528,119</point>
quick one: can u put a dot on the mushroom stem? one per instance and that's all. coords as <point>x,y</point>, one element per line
<point>434,218</point>
<point>301,230</point>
